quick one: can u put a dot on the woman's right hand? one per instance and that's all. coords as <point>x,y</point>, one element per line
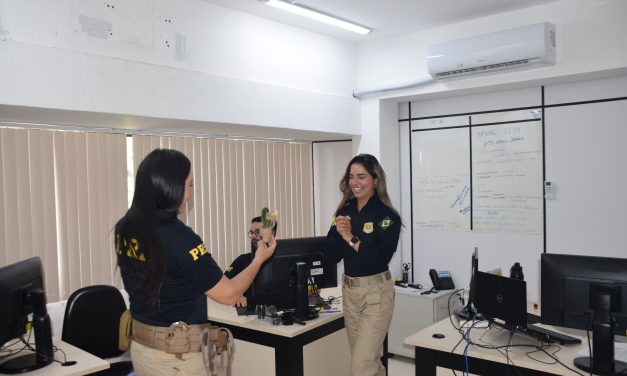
<point>264,251</point>
<point>241,302</point>
<point>343,225</point>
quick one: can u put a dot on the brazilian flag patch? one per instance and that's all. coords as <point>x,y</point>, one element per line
<point>333,223</point>
<point>385,223</point>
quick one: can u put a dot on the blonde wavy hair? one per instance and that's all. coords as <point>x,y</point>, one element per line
<point>371,164</point>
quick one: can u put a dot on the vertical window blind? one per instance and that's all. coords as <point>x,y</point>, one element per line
<point>233,180</point>
<point>61,193</point>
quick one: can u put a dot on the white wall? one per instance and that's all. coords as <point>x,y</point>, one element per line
<point>329,164</point>
<point>590,36</point>
<point>178,60</point>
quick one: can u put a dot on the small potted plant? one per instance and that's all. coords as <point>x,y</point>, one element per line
<point>268,220</point>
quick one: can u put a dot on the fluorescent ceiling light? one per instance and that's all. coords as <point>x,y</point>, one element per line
<point>313,14</point>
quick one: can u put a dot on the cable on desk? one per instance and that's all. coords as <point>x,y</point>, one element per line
<point>509,361</point>
<point>468,342</point>
<point>7,351</point>
<point>17,351</point>
<point>526,345</point>
<point>29,346</point>
<point>54,349</point>
<point>558,361</point>
<point>448,307</point>
<point>545,347</point>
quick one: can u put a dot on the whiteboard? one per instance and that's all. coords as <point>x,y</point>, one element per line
<point>507,190</point>
<point>486,178</point>
<point>585,161</point>
<point>441,179</point>
<point>481,186</point>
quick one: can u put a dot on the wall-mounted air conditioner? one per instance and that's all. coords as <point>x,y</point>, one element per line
<point>516,48</point>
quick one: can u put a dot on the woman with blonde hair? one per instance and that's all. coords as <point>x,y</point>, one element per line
<point>365,233</point>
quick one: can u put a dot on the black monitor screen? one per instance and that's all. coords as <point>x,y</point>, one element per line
<point>22,294</point>
<point>275,282</point>
<point>566,282</point>
<point>16,281</point>
<point>498,297</point>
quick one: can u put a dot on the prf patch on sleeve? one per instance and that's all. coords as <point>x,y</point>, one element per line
<point>333,223</point>
<point>198,251</point>
<point>385,223</point>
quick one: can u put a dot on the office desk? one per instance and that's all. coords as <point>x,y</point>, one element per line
<point>432,352</point>
<point>86,363</point>
<point>317,348</point>
<point>413,312</point>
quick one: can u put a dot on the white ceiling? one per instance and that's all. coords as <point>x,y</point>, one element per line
<point>386,17</point>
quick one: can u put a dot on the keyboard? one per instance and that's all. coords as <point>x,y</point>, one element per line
<point>547,335</point>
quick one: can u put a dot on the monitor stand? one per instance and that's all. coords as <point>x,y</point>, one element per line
<point>303,312</point>
<point>602,361</point>
<point>43,354</point>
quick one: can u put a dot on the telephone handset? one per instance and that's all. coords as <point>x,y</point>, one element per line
<point>441,280</point>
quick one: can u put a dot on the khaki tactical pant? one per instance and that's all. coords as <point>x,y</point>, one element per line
<point>152,362</point>
<point>367,316</point>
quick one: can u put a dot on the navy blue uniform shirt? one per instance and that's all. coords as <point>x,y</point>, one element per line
<point>189,272</point>
<point>377,227</point>
<point>239,264</point>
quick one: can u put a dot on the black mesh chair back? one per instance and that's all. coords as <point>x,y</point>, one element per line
<point>91,323</point>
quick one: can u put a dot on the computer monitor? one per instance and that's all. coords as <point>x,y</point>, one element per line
<point>587,292</point>
<point>468,312</point>
<point>565,284</point>
<point>498,297</point>
<point>283,279</point>
<point>22,293</point>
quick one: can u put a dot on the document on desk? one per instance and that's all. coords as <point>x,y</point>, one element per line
<point>620,351</point>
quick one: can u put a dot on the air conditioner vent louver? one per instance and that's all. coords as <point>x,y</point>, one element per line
<point>516,48</point>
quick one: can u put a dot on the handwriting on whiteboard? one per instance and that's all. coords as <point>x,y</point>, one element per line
<point>507,178</point>
<point>442,202</point>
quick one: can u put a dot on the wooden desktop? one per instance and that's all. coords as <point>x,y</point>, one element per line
<point>86,363</point>
<point>432,352</point>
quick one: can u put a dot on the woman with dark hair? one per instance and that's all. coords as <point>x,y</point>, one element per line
<point>168,272</point>
<point>365,234</point>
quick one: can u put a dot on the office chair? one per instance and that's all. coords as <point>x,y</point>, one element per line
<point>91,323</point>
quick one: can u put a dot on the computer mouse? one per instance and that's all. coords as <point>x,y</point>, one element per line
<point>438,335</point>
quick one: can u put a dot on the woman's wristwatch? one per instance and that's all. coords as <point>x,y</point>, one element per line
<point>354,240</point>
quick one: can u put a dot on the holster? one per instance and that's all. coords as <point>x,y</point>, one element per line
<point>218,338</point>
<point>125,331</point>
<point>177,340</point>
<point>218,350</point>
